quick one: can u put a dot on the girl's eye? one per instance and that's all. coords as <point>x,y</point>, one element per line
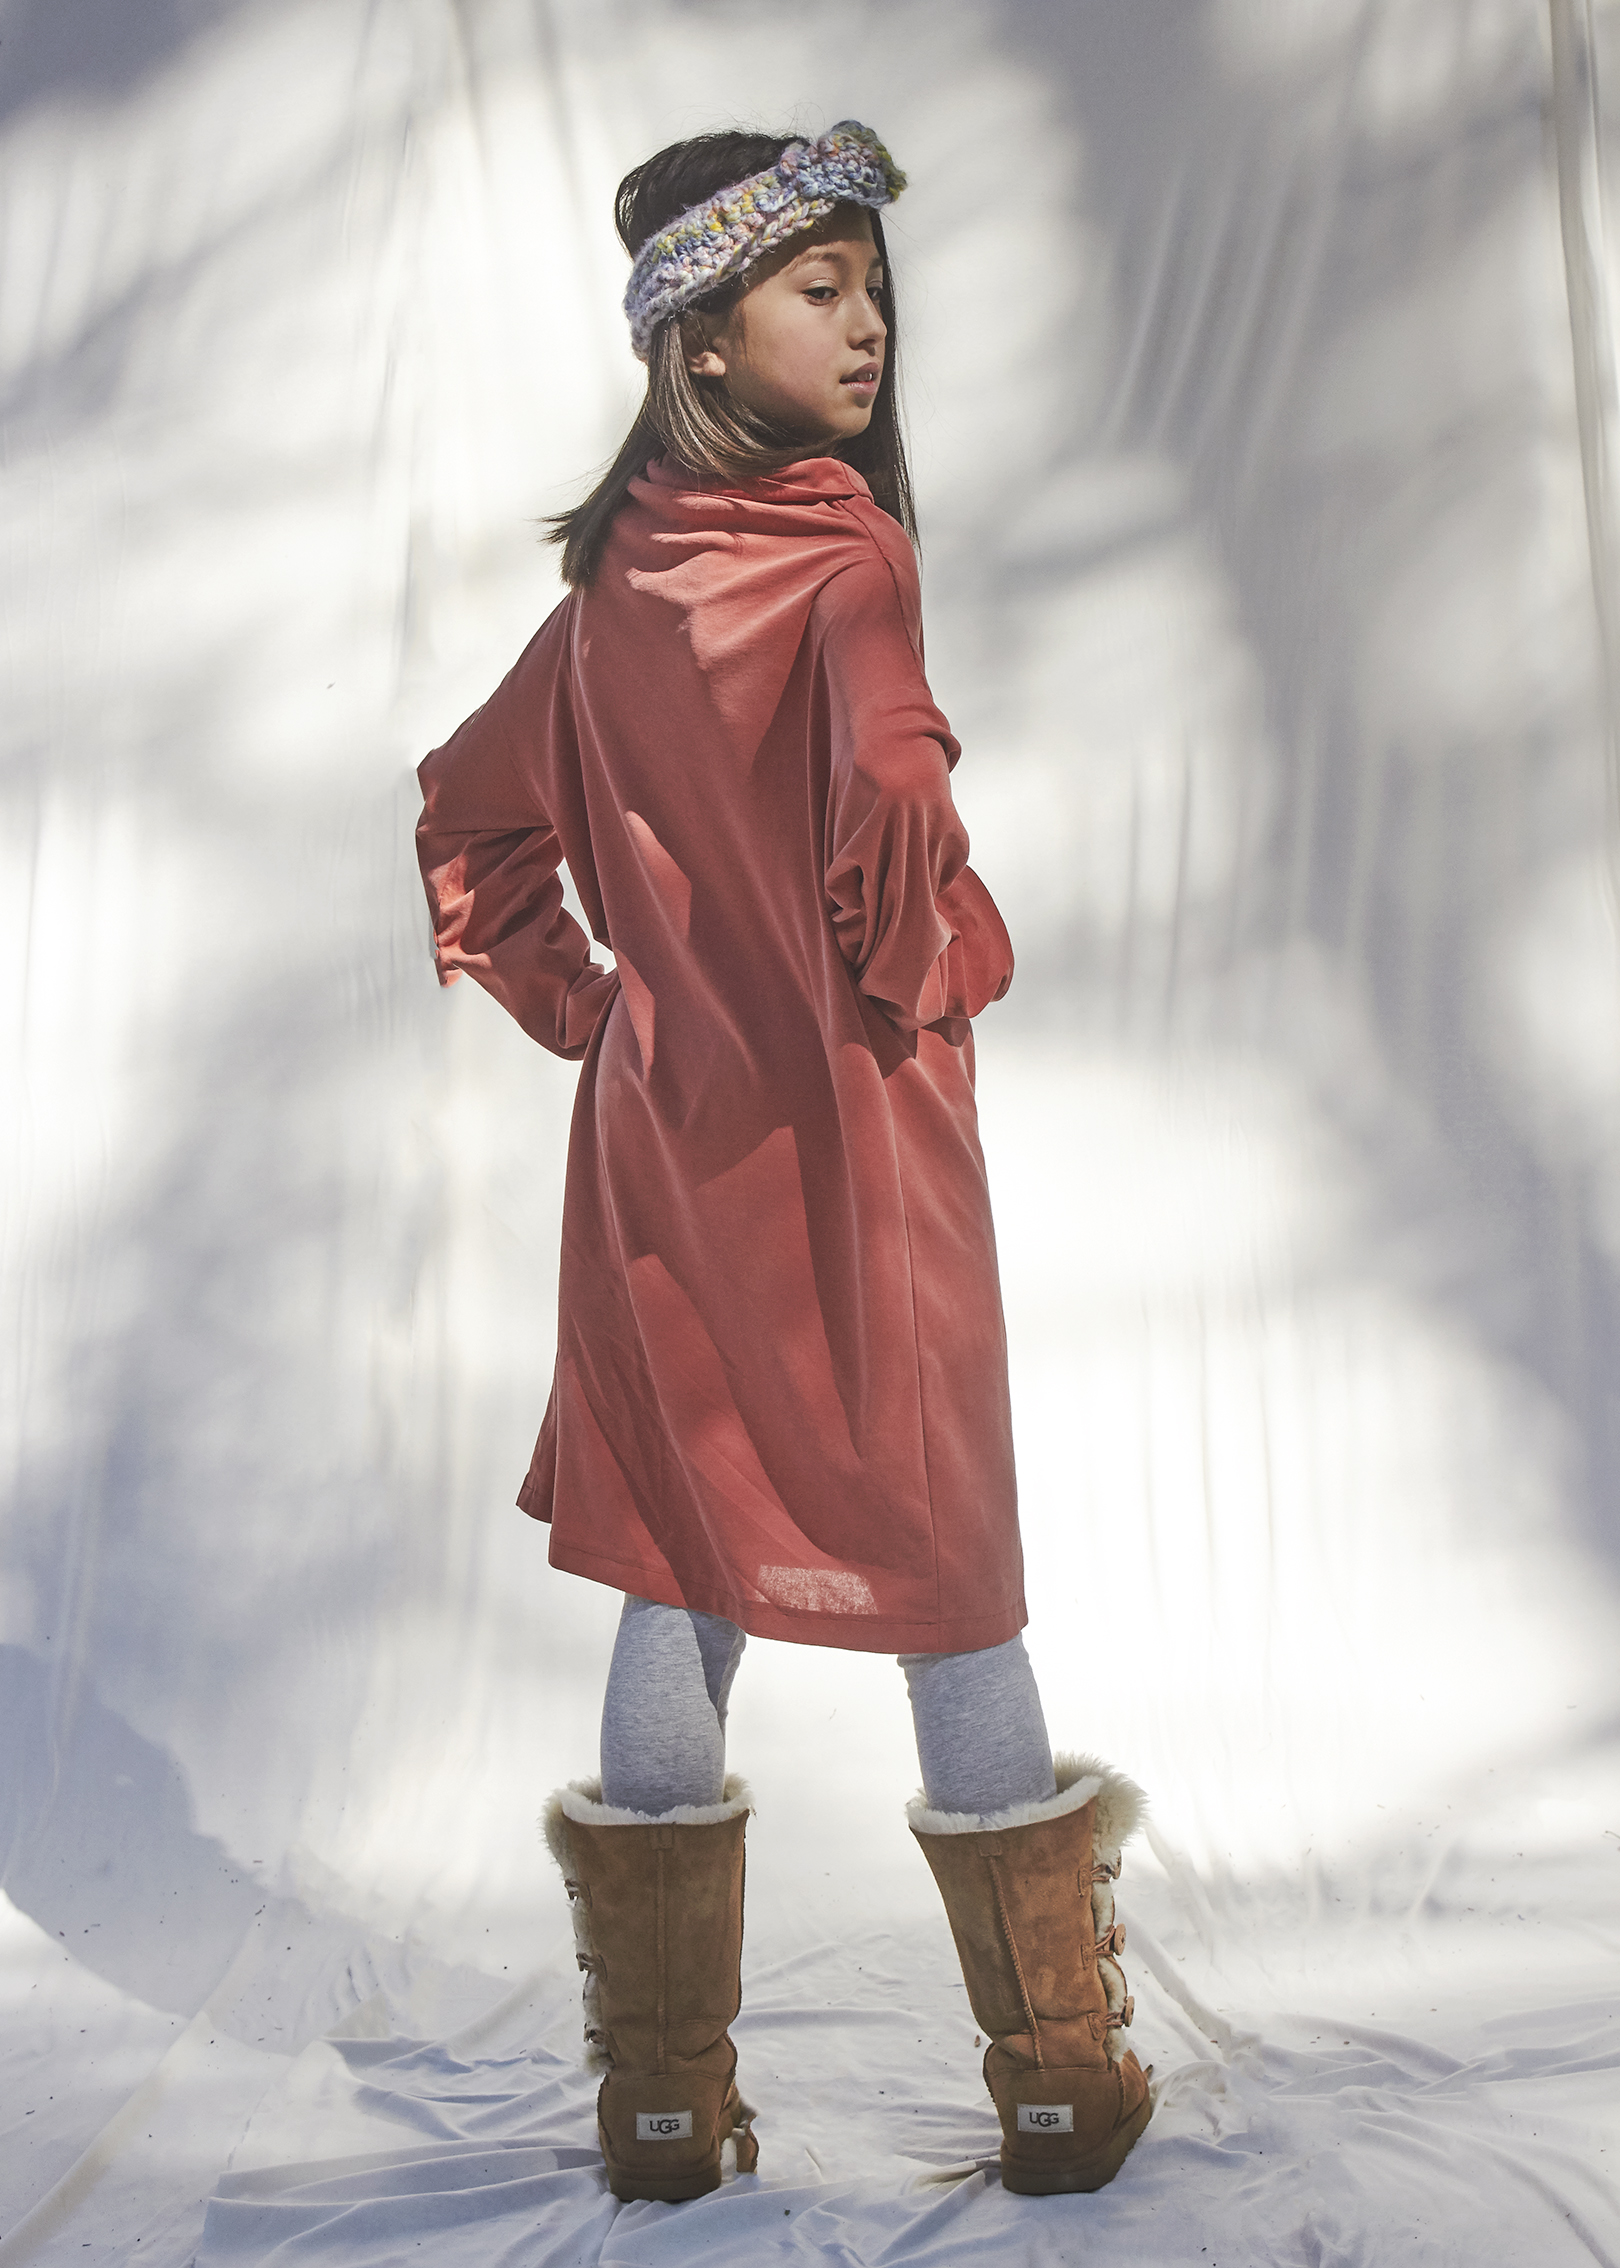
<point>821,293</point>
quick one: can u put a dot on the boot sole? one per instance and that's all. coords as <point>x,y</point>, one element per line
<point>673,2189</point>
<point>1094,2171</point>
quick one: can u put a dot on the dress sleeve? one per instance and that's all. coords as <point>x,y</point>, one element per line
<point>912,919</point>
<point>489,855</point>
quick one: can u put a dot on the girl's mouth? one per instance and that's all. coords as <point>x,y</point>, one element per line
<point>868,375</point>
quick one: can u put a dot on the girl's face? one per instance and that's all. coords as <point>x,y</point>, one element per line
<point>804,345</point>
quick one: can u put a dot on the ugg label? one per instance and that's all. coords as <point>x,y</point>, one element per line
<point>1046,2118</point>
<point>665,2125</point>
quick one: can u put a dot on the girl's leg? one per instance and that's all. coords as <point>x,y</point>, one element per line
<point>658,1905</point>
<point>664,1715</point>
<point>1031,1907</point>
<point>981,1734</point>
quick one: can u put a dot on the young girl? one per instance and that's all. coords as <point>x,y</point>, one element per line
<point>780,1400</point>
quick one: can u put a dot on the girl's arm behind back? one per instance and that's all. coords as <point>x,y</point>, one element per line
<point>915,923</point>
<point>489,855</point>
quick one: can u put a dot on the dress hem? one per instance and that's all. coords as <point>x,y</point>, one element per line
<point>796,1626</point>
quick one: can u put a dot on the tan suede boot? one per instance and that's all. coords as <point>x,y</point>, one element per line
<point>1029,1895</point>
<point>658,1921</point>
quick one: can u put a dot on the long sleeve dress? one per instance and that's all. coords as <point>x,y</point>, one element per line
<point>780,1391</point>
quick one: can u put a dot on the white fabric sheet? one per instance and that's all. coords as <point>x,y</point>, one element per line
<point>1261,379</point>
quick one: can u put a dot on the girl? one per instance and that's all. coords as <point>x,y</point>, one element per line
<point>780,1399</point>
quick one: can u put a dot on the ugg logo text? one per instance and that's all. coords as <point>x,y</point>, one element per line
<point>1046,2118</point>
<point>664,2126</point>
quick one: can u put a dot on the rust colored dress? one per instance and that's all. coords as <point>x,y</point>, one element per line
<point>781,1380</point>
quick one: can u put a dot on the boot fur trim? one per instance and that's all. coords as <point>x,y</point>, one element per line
<point>582,1800</point>
<point>1120,1806</point>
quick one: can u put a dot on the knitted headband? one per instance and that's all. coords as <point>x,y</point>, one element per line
<point>717,239</point>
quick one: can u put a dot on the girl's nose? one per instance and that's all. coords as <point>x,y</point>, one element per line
<point>869,327</point>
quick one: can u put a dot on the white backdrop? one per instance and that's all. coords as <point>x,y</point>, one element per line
<point>1261,385</point>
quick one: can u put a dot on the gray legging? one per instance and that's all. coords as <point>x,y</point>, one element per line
<point>981,1736</point>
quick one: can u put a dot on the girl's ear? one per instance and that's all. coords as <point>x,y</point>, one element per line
<point>696,350</point>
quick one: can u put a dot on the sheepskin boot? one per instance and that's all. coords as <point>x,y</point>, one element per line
<point>658,1922</point>
<point>1029,1894</point>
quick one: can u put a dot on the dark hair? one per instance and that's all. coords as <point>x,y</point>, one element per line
<point>697,421</point>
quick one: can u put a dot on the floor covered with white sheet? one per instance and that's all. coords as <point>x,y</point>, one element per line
<point>1261,379</point>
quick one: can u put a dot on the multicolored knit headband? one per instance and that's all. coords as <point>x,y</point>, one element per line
<point>733,228</point>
